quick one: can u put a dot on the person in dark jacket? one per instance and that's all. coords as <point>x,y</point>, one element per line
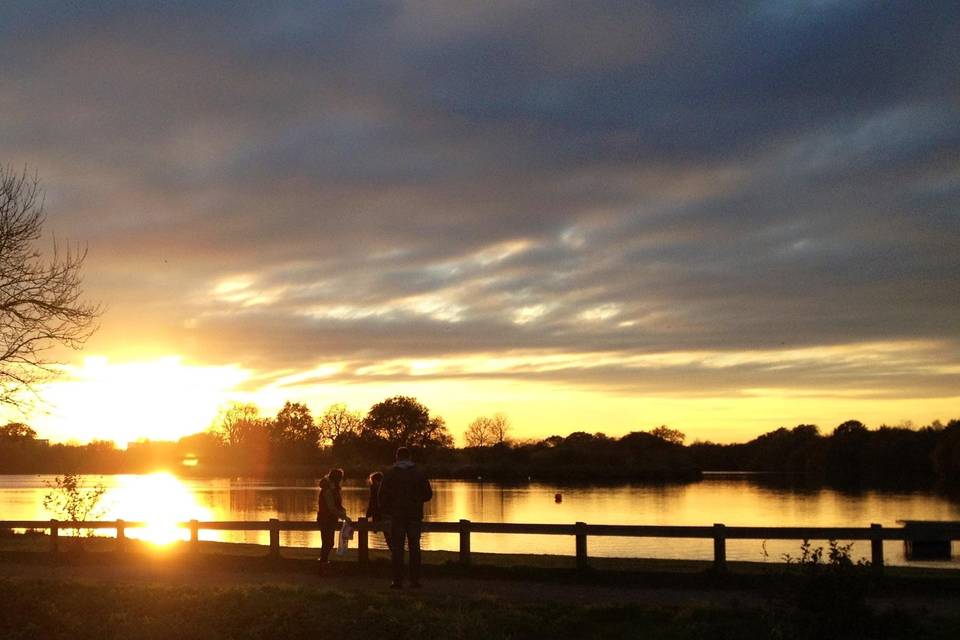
<point>402,493</point>
<point>329,511</point>
<point>374,513</point>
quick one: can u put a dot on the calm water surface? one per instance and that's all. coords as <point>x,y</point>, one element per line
<point>162,499</point>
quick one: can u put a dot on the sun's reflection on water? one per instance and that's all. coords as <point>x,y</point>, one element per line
<point>160,500</point>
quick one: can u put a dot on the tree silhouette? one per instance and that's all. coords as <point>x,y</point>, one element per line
<point>486,431</point>
<point>40,303</point>
<point>403,421</point>
<point>337,420</point>
<point>500,428</point>
<point>478,433</point>
<point>850,428</point>
<point>946,456</point>
<point>17,431</point>
<point>294,424</point>
<point>673,436</point>
<point>293,434</point>
<point>239,424</point>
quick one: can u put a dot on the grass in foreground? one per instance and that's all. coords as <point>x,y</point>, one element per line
<point>798,604</point>
<point>55,610</point>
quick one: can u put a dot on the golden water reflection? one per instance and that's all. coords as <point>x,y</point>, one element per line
<point>160,500</point>
<point>163,500</point>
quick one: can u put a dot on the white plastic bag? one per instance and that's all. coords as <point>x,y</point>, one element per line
<point>346,535</point>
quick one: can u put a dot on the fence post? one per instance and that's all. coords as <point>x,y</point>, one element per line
<point>54,536</point>
<point>581,535</point>
<point>719,547</point>
<point>876,547</point>
<point>121,536</point>
<point>194,535</point>
<point>465,542</point>
<point>363,541</point>
<point>274,538</point>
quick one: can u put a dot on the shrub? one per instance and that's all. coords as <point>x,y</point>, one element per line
<point>823,595</point>
<point>69,499</point>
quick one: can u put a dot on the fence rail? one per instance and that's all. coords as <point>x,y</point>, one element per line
<point>719,533</point>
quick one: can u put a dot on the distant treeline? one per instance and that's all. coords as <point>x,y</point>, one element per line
<point>241,442</point>
<point>850,455</point>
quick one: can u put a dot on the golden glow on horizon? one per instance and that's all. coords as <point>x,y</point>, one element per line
<point>167,398</point>
<point>161,399</point>
<point>161,501</point>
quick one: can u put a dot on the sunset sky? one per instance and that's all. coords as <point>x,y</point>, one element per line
<point>724,217</point>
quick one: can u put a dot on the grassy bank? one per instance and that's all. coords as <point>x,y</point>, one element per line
<point>75,611</point>
<point>235,591</point>
<point>63,610</point>
<point>645,571</point>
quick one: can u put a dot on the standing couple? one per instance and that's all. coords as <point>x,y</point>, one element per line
<point>399,498</point>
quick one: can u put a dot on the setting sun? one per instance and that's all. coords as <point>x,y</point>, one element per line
<point>160,399</point>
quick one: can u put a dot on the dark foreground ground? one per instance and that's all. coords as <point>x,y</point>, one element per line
<point>228,592</point>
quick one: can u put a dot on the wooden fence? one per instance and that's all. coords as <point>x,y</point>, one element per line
<point>876,534</point>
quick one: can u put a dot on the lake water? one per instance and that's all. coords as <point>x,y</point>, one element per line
<point>162,499</point>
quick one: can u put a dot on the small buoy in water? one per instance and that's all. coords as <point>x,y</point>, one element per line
<point>558,498</point>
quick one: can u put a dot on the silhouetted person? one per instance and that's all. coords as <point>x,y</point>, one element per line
<point>329,511</point>
<point>402,493</point>
<point>374,512</point>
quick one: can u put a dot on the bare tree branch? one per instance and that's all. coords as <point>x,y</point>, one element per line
<point>487,431</point>
<point>40,298</point>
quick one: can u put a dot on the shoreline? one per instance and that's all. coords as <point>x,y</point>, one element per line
<point>33,548</point>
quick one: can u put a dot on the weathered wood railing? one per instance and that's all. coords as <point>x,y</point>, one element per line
<point>876,534</point>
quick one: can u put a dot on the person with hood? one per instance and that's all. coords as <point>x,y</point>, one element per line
<point>402,493</point>
<point>329,511</point>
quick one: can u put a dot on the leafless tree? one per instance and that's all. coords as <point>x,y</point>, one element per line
<point>478,433</point>
<point>487,431</point>
<point>40,297</point>
<point>500,428</point>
